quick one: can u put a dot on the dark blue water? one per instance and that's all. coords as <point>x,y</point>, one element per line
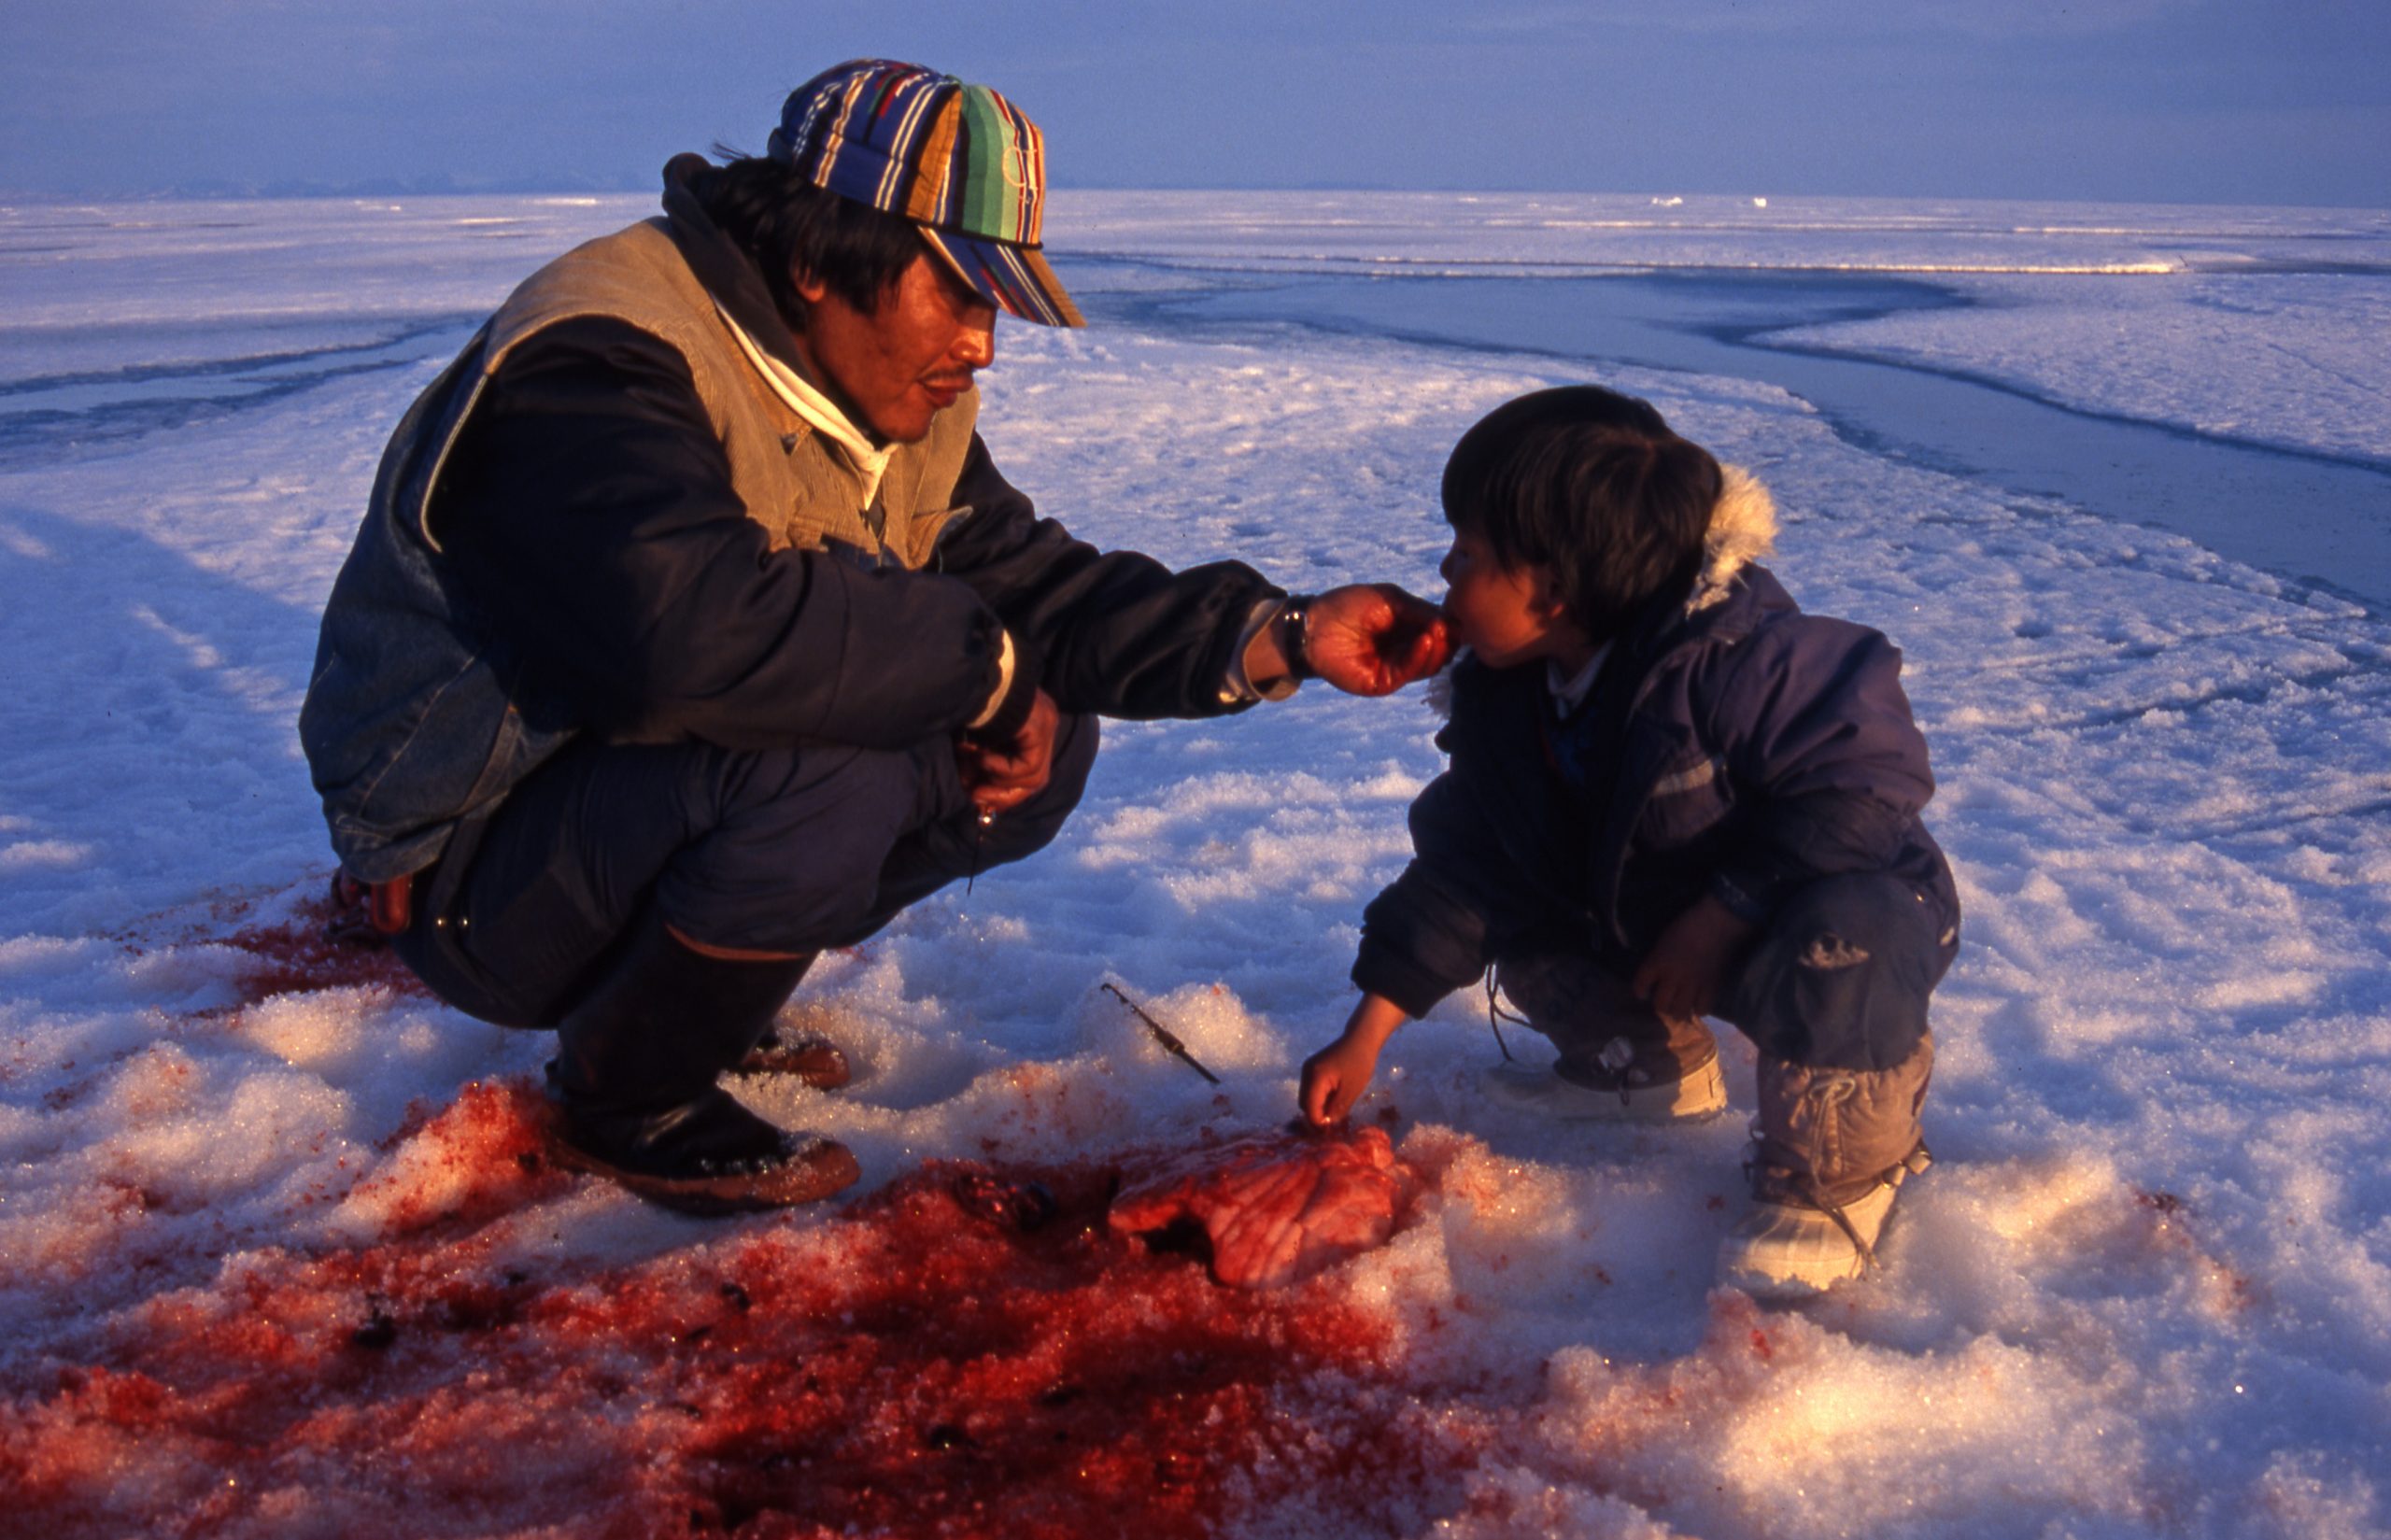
<point>2314,517</point>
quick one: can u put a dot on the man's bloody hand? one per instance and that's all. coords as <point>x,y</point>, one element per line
<point>1373,638</point>
<point>1003,775</point>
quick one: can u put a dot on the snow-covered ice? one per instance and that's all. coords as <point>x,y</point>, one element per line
<point>255,1193</point>
<point>2260,324</point>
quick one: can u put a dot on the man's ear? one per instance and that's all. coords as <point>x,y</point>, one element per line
<point>809,287</point>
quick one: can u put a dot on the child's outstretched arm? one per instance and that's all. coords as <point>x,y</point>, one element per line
<point>1336,1077</point>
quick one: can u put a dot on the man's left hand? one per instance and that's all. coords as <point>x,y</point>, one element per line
<point>1373,638</point>
<point>1002,776</point>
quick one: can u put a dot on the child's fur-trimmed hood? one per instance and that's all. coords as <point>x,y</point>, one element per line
<point>1743,528</point>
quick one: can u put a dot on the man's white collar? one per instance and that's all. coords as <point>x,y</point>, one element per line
<point>820,413</point>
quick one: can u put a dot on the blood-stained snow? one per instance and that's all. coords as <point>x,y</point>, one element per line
<point>281,1254</point>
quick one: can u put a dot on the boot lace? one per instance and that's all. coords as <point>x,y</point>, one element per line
<point>1617,1056</point>
<point>1824,1094</point>
<point>1496,1016</point>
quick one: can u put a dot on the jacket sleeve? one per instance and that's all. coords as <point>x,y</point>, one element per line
<point>1820,735</point>
<point>1119,633</point>
<point>1434,928</point>
<point>590,516</point>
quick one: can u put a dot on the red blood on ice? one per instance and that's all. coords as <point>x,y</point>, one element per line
<point>2172,1231</point>
<point>297,954</point>
<point>1277,1208</point>
<point>483,1155</point>
<point>970,1352</point>
<point>959,1374</point>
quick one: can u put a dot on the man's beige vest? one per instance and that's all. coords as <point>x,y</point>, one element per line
<point>797,483</point>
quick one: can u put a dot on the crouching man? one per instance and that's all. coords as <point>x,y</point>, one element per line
<point>692,628</point>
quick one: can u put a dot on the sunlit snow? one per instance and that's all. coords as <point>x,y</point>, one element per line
<point>277,1255</point>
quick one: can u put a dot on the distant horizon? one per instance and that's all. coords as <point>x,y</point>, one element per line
<point>436,188</point>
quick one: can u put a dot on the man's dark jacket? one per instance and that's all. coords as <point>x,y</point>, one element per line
<point>583,565</point>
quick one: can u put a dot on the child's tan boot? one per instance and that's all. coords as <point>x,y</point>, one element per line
<point>1833,1148</point>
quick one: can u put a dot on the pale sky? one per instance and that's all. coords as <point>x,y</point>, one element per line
<point>2198,101</point>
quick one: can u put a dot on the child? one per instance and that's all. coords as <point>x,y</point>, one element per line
<point>1670,794</point>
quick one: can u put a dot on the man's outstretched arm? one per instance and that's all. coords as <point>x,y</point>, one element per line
<point>1123,635</point>
<point>1364,638</point>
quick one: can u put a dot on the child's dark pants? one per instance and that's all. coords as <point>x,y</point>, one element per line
<point>784,852</point>
<point>1838,978</point>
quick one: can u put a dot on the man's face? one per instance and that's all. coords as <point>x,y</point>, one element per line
<point>1506,615</point>
<point>910,357</point>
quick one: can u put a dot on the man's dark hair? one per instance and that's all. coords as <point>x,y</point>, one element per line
<point>790,226</point>
<point>1592,487</point>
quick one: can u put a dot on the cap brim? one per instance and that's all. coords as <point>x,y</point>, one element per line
<point>1014,279</point>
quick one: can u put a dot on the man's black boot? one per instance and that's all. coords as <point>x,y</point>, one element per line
<point>634,1082</point>
<point>797,1052</point>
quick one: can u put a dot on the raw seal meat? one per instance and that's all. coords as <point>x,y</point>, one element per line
<point>1276,1208</point>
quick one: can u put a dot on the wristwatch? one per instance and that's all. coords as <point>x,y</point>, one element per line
<point>1293,613</point>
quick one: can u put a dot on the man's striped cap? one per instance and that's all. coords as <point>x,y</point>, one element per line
<point>962,163</point>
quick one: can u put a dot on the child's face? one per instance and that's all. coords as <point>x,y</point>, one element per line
<point>1504,614</point>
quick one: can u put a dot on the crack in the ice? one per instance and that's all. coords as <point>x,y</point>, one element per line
<point>27,431</point>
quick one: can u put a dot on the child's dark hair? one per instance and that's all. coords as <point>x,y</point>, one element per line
<point>790,226</point>
<point>1591,486</point>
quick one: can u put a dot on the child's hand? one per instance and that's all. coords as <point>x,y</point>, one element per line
<point>1336,1077</point>
<point>1682,976</point>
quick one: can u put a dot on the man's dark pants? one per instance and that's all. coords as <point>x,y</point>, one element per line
<point>770,851</point>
